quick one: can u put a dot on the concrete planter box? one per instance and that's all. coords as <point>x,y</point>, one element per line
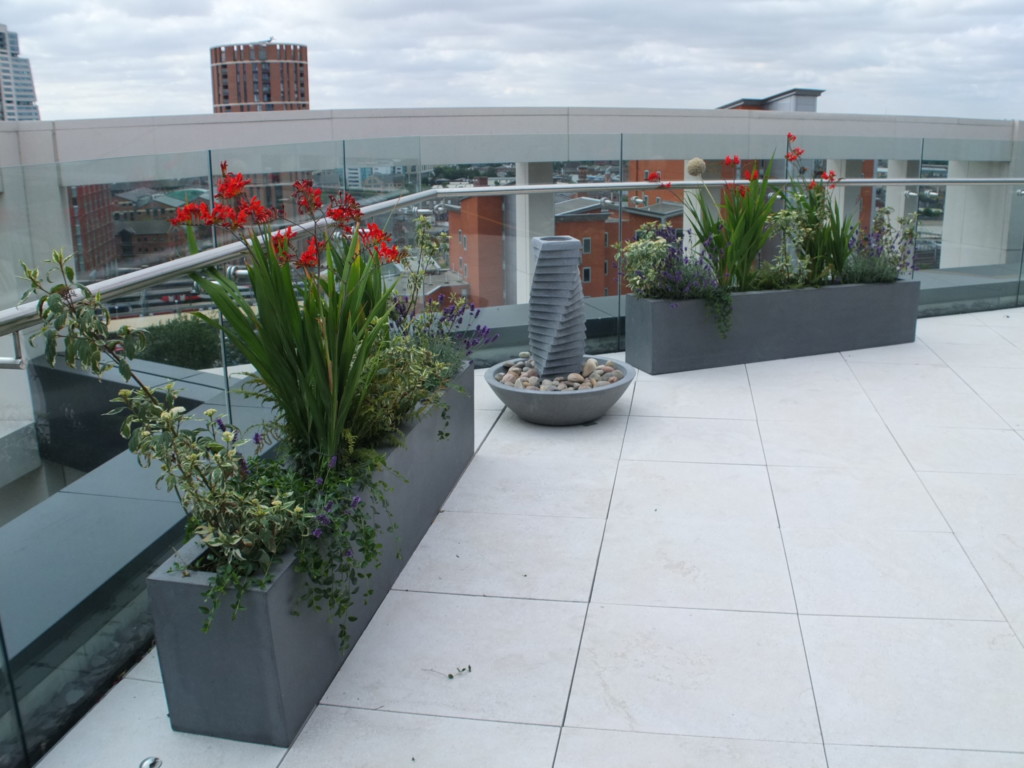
<point>663,336</point>
<point>258,677</point>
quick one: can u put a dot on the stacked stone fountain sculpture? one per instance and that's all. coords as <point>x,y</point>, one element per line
<point>554,383</point>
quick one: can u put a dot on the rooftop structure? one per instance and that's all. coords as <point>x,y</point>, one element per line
<point>792,100</point>
<point>17,91</point>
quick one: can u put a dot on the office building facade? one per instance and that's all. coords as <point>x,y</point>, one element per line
<point>17,91</point>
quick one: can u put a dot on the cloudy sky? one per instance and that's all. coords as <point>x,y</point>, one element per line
<point>120,58</point>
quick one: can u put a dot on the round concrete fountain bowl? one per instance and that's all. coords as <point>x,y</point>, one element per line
<point>562,409</point>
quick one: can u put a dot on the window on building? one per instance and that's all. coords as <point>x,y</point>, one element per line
<point>586,245</point>
<point>586,274</point>
<point>607,240</point>
<point>606,266</point>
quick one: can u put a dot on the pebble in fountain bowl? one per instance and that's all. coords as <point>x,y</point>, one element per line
<point>575,398</point>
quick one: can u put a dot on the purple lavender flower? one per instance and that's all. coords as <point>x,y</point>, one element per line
<point>317,533</point>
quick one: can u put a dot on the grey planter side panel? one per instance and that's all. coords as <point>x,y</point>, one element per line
<point>664,336</point>
<point>255,678</point>
<point>421,474</point>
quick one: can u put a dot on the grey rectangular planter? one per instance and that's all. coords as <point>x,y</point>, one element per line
<point>663,336</point>
<point>258,677</point>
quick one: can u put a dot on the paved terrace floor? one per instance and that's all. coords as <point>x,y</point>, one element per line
<point>810,562</point>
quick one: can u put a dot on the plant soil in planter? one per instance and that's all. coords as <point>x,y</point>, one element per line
<point>663,336</point>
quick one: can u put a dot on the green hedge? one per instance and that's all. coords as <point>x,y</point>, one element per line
<point>189,342</point>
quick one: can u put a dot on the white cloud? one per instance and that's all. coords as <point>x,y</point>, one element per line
<point>957,58</point>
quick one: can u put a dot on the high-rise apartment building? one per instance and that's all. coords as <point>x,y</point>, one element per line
<point>259,77</point>
<point>17,93</point>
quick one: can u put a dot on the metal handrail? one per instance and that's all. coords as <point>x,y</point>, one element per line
<point>24,316</point>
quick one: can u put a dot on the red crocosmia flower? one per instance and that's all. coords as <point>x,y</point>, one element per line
<point>812,185</point>
<point>345,211</point>
<point>791,137</point>
<point>280,245</point>
<point>380,242</point>
<point>794,154</point>
<point>231,186</point>
<point>310,258</point>
<point>732,160</point>
<point>654,176</point>
<point>307,197</point>
<point>223,215</point>
<point>751,175</point>
<point>830,178</point>
<point>253,211</point>
<point>374,235</point>
<point>192,213</point>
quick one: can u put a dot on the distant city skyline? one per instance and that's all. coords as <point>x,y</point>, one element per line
<point>952,58</point>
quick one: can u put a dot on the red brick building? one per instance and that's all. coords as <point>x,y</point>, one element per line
<point>476,248</point>
<point>259,77</point>
<point>94,240</point>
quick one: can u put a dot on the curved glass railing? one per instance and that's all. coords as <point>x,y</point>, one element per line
<point>491,194</point>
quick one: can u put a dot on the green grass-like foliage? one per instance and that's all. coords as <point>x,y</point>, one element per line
<point>734,231</point>
<point>317,345</point>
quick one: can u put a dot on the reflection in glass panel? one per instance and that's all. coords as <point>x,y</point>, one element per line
<point>13,752</point>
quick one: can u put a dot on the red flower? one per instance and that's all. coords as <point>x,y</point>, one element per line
<point>231,185</point>
<point>733,160</point>
<point>310,258</point>
<point>791,137</point>
<point>654,176</point>
<point>794,154</point>
<point>812,185</point>
<point>253,211</point>
<point>280,244</point>
<point>831,178</point>
<point>192,213</point>
<point>380,241</point>
<point>344,211</point>
<point>751,175</point>
<point>223,215</point>
<point>307,197</point>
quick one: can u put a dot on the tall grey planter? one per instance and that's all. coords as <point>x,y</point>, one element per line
<point>258,677</point>
<point>663,336</point>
